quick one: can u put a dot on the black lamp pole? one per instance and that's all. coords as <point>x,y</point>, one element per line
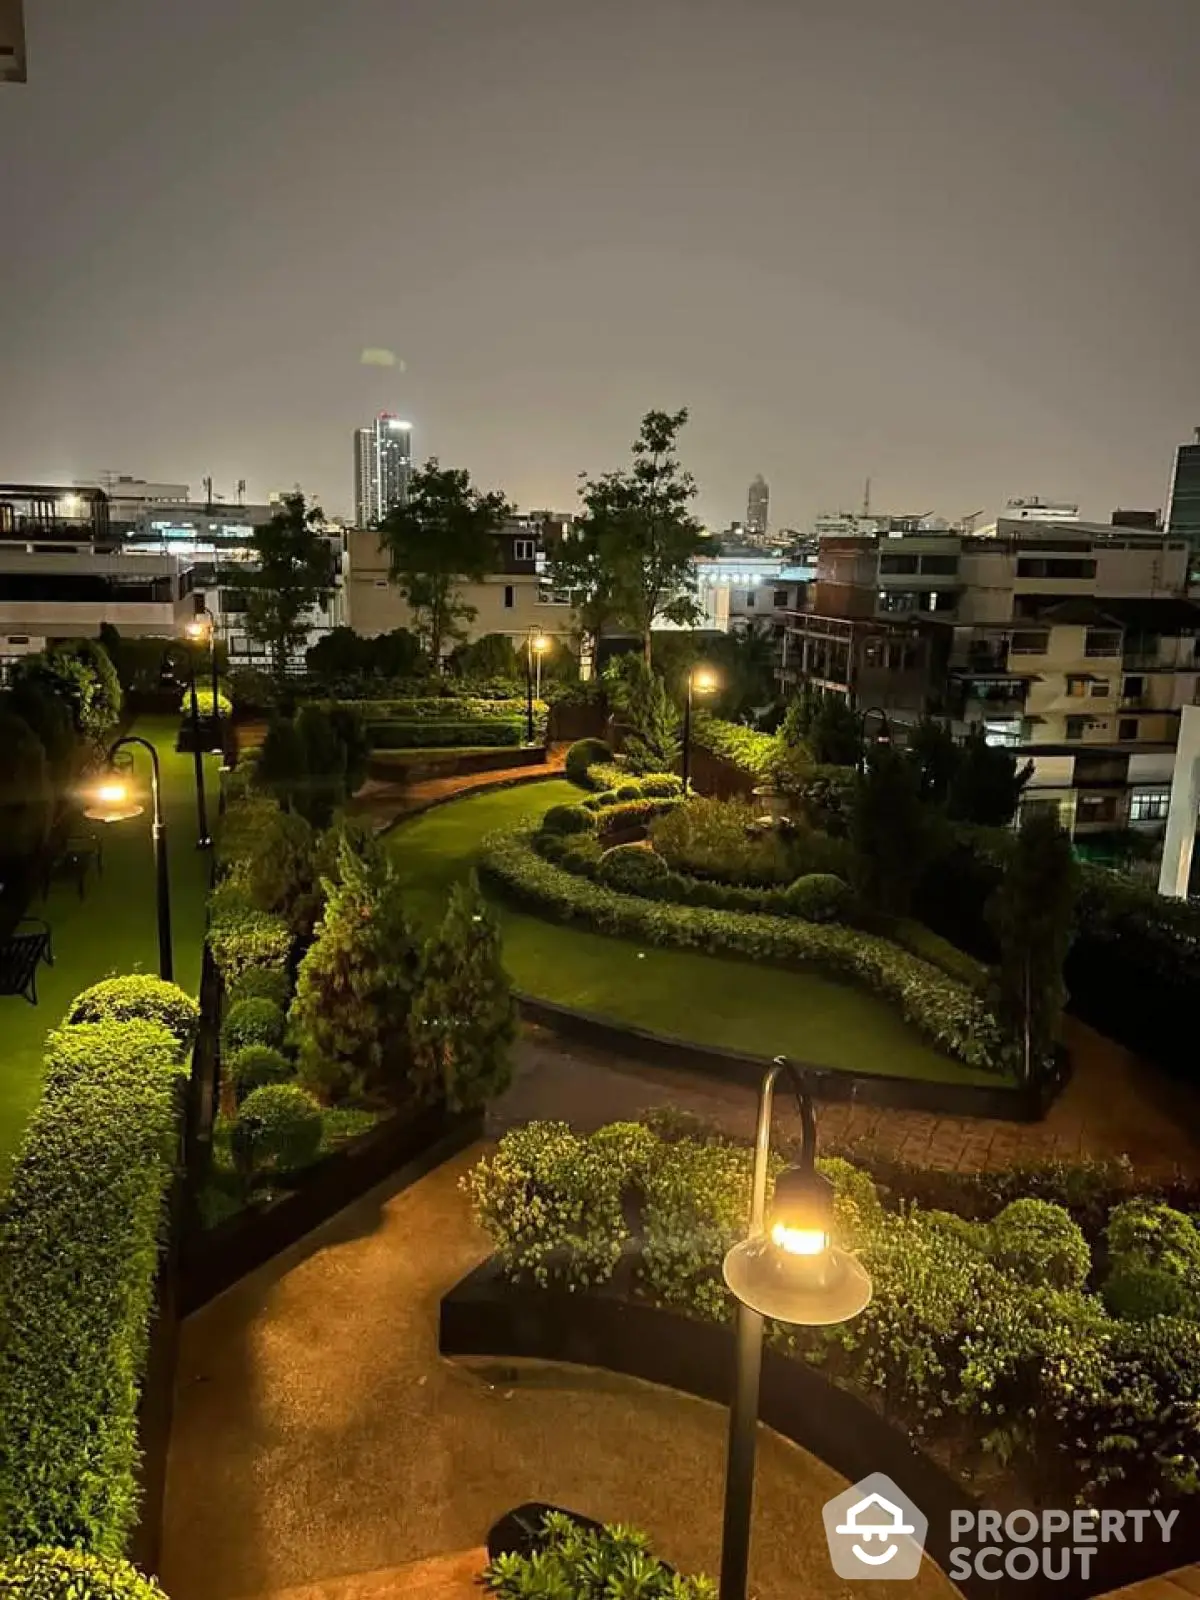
<point>687,733</point>
<point>204,838</point>
<point>885,736</point>
<point>158,832</point>
<point>743,1411</point>
<point>529,688</point>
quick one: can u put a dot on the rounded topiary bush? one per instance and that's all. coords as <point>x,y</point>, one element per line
<point>628,791</point>
<point>632,869</point>
<point>818,897</point>
<point>255,1065</point>
<point>139,996</point>
<point>252,1022</point>
<point>98,1048</point>
<point>1041,1243</point>
<point>585,753</point>
<point>262,983</point>
<point>1136,1292</point>
<point>51,1574</point>
<point>278,1129</point>
<point>568,819</point>
<point>661,786</point>
<point>1154,1235</point>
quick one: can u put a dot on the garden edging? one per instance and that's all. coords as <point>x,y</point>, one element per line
<point>487,1315</point>
<point>828,1083</point>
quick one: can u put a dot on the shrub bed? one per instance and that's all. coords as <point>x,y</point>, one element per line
<point>982,1337</point>
<point>54,1574</point>
<point>947,1013</point>
<point>81,1236</point>
<point>446,735</point>
<point>445,708</point>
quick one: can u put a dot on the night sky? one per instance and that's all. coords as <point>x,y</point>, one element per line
<point>954,244</point>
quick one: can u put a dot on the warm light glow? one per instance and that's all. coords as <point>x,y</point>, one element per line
<point>541,644</point>
<point>800,1241</point>
<point>703,679</point>
<point>112,793</point>
<point>112,801</point>
<point>196,629</point>
<point>70,505</point>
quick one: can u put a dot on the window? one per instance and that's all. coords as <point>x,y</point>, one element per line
<point>780,599</point>
<point>1149,805</point>
<point>1127,728</point>
<point>749,599</point>
<point>897,565</point>
<point>1134,688</point>
<point>508,596</point>
<point>1028,644</point>
<point>939,566</point>
<point>1099,689</point>
<point>1076,727</point>
<point>524,549</point>
<point>1102,642</point>
<point>1076,687</point>
<point>1096,808</point>
<point>1054,567</point>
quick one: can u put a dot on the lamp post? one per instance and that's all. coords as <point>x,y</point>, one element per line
<point>790,1272</point>
<point>700,680</point>
<point>536,645</point>
<point>113,802</point>
<point>195,632</point>
<point>884,736</point>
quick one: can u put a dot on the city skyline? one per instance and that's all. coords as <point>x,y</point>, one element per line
<point>1027,330</point>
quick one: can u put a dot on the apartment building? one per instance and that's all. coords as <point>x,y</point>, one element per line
<point>67,567</point>
<point>515,598</point>
<point>742,588</point>
<point>1072,642</point>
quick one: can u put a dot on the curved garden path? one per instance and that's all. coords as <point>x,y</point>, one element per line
<point>318,1434</point>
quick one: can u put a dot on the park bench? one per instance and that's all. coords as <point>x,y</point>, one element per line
<point>27,943</point>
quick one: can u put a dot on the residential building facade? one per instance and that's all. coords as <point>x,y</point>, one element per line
<point>382,467</point>
<point>1073,642</point>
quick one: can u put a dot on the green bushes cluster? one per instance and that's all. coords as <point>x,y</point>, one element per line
<point>56,1574</point>
<point>980,1326</point>
<point>947,1013</point>
<point>81,1231</point>
<point>589,1564</point>
<point>204,702</point>
<point>444,708</point>
<point>724,841</point>
<point>446,735</point>
<point>582,756</point>
<point>251,1022</point>
<point>630,869</point>
<point>278,1130</point>
<point>254,1066</point>
<point>1154,1262</point>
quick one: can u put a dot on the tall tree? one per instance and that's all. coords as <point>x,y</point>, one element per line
<point>987,783</point>
<point>931,747</point>
<point>1031,913</point>
<point>629,558</point>
<point>890,831</point>
<point>292,574</point>
<point>440,539</point>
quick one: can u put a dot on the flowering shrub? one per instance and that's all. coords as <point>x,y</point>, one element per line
<point>589,1564</point>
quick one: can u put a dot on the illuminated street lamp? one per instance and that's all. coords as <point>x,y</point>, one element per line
<point>536,645</point>
<point>196,631</point>
<point>884,736</point>
<point>700,680</point>
<point>112,801</point>
<point>791,1271</point>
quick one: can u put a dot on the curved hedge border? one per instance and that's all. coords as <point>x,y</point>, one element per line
<point>81,1236</point>
<point>948,1014</point>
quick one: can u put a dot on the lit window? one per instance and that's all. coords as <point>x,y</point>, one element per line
<point>524,549</point>
<point>1149,805</point>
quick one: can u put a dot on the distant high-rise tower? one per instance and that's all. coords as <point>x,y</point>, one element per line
<point>758,504</point>
<point>382,467</point>
<point>1183,509</point>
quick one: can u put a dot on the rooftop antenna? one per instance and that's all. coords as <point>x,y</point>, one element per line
<point>866,510</point>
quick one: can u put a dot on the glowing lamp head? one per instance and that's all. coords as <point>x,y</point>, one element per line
<point>704,680</point>
<point>792,1272</point>
<point>540,644</point>
<point>196,629</point>
<point>111,801</point>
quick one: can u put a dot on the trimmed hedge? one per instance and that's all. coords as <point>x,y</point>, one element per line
<point>139,996</point>
<point>948,1014</point>
<point>582,756</point>
<point>80,1253</point>
<point>444,708</point>
<point>970,1338</point>
<point>445,735</point>
<point>76,1050</point>
<point>55,1574</point>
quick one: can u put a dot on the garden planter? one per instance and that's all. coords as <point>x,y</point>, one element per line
<point>487,1315</point>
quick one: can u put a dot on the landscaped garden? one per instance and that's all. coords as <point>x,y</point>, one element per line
<point>1036,1331</point>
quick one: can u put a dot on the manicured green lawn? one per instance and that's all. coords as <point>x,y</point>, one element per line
<point>113,928</point>
<point>711,999</point>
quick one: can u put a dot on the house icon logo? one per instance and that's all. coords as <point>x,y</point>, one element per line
<point>874,1530</point>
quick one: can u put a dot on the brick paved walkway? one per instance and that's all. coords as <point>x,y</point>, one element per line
<point>1114,1105</point>
<point>386,803</point>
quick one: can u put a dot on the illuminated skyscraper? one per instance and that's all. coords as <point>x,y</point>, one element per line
<point>1183,510</point>
<point>758,503</point>
<point>382,467</point>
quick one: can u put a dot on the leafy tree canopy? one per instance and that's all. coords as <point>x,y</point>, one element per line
<point>292,575</point>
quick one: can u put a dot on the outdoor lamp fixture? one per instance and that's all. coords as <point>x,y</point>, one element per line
<point>536,645</point>
<point>700,680</point>
<point>112,801</point>
<point>884,736</point>
<point>788,1268</point>
<point>196,631</point>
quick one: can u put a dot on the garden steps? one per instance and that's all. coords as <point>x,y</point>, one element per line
<point>453,1577</point>
<point>1183,1584</point>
